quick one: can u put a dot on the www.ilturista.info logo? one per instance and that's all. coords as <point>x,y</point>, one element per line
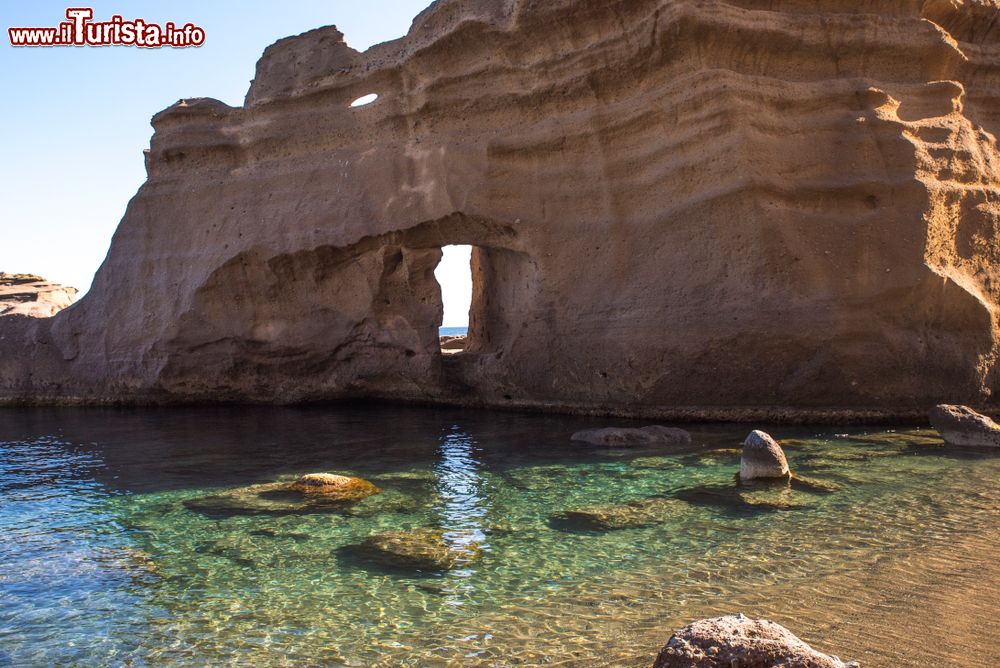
<point>79,30</point>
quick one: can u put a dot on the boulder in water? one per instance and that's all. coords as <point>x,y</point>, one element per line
<point>762,458</point>
<point>629,436</point>
<point>310,493</point>
<point>419,549</point>
<point>960,425</point>
<point>737,640</point>
<point>334,487</point>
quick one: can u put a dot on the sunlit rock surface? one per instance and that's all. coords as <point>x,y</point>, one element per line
<point>762,458</point>
<point>32,296</point>
<point>679,208</point>
<point>737,640</point>
<point>312,492</point>
<point>960,425</point>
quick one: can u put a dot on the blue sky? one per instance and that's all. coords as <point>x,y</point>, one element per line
<point>75,120</point>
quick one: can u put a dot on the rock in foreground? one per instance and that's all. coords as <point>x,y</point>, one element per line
<point>762,458</point>
<point>736,641</point>
<point>33,296</point>
<point>960,425</point>
<point>625,436</point>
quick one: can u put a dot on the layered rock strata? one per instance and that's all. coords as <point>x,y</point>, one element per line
<point>696,208</point>
<point>32,296</point>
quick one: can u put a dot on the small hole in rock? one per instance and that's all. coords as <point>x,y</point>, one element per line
<point>365,99</point>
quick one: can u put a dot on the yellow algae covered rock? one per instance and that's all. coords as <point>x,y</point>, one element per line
<point>310,493</point>
<point>333,486</point>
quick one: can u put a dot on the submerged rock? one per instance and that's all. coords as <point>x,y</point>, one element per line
<point>899,439</point>
<point>806,484</point>
<point>763,496</point>
<point>771,497</point>
<point>719,456</point>
<point>239,549</point>
<point>740,642</point>
<point>128,559</point>
<point>312,492</point>
<point>419,549</point>
<point>662,463</point>
<point>628,436</point>
<point>631,515</point>
<point>960,425</point>
<point>762,458</point>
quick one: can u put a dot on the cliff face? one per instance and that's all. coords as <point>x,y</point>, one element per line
<point>678,206</point>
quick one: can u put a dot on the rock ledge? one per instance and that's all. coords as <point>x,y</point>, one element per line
<point>32,296</point>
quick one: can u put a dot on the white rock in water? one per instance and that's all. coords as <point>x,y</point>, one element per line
<point>960,425</point>
<point>762,458</point>
<point>737,640</point>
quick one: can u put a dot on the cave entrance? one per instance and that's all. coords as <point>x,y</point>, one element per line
<point>454,275</point>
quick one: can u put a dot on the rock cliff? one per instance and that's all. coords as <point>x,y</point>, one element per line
<point>699,208</point>
<point>32,296</point>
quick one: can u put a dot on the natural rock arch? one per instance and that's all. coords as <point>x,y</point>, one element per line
<point>334,322</point>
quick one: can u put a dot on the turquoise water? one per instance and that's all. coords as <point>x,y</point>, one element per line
<point>112,556</point>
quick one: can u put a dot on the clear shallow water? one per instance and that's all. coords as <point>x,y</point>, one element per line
<point>106,560</point>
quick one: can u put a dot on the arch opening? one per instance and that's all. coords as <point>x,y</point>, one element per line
<point>364,100</point>
<point>454,276</point>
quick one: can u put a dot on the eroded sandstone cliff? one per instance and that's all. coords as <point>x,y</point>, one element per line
<point>688,207</point>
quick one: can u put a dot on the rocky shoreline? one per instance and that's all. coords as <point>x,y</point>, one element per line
<point>687,414</point>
